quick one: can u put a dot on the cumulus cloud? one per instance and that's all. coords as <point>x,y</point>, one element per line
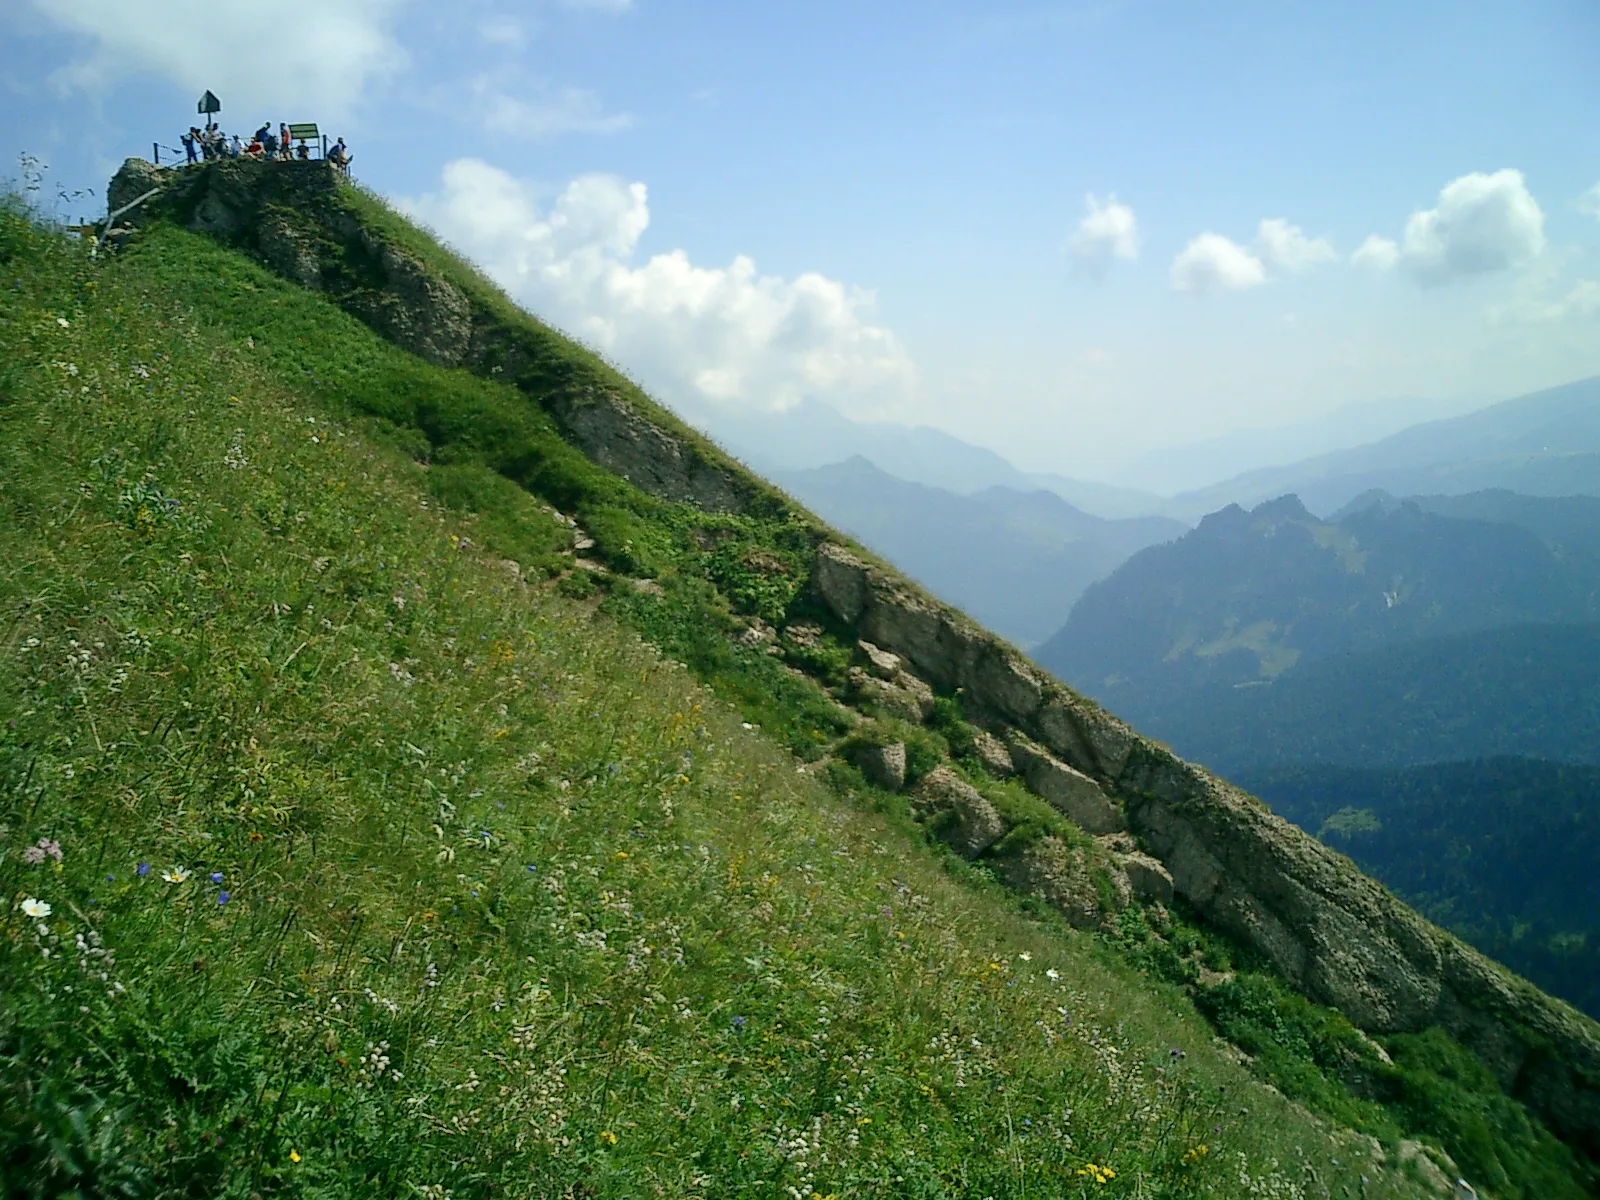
<point>1108,231</point>
<point>728,335</point>
<point>1379,253</point>
<point>1482,224</point>
<point>1589,202</point>
<point>1287,247</point>
<point>322,53</point>
<point>1212,262</point>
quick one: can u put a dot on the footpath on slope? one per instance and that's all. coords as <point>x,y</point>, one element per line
<point>1335,934</point>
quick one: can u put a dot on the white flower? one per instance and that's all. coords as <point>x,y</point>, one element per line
<point>62,321</point>
<point>176,875</point>
<point>1025,956</point>
<point>35,908</point>
<point>1052,974</point>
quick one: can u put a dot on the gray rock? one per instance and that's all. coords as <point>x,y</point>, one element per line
<point>884,766</point>
<point>1065,878</point>
<point>880,662</point>
<point>993,754</point>
<point>1149,880</point>
<point>970,824</point>
<point>1070,792</point>
<point>909,703</point>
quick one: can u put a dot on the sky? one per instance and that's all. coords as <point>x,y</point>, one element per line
<point>1080,234</point>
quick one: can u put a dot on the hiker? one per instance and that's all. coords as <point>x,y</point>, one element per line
<point>303,151</point>
<point>340,154</point>
<point>284,142</point>
<point>188,144</point>
<point>235,147</point>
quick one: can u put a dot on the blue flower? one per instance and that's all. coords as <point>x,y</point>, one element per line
<point>533,866</point>
<point>143,869</point>
<point>216,877</point>
<point>738,1022</point>
<point>224,897</point>
<point>111,878</point>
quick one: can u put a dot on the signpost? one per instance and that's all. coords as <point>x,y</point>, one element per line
<point>209,106</point>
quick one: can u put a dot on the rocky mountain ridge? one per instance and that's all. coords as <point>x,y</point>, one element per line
<point>1334,933</point>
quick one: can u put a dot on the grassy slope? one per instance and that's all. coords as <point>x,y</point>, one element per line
<point>512,904</point>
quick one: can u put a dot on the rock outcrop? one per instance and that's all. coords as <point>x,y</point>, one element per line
<point>1336,934</point>
<point>291,217</point>
<point>969,823</point>
<point>884,766</point>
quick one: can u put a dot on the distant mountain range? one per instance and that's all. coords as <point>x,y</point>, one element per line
<point>1016,560</point>
<point>1394,635</point>
<point>1543,444</point>
<point>1546,443</point>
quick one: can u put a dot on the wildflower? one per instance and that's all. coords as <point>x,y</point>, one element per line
<point>294,1156</point>
<point>37,909</point>
<point>1195,1153</point>
<point>142,870</point>
<point>1052,974</point>
<point>33,855</point>
<point>176,874</point>
<point>1025,956</point>
<point>738,1022</point>
<point>1101,1175</point>
<point>533,866</point>
<point>63,322</point>
<point>224,897</point>
<point>608,1138</point>
<point>216,877</point>
<point>621,854</point>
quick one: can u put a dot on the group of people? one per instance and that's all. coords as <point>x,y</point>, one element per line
<point>264,145</point>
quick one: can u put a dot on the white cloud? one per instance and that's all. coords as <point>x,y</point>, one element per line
<point>501,30</point>
<point>543,111</point>
<point>1108,231</point>
<point>1481,225</point>
<point>1287,247</point>
<point>1212,262</point>
<point>729,334</point>
<point>1379,253</point>
<point>319,54</point>
<point>1589,202</point>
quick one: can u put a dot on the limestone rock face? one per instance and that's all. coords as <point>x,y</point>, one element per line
<point>1336,934</point>
<point>884,766</point>
<point>1149,880</point>
<point>909,698</point>
<point>880,662</point>
<point>416,309</point>
<point>1064,877</point>
<point>286,213</point>
<point>993,754</point>
<point>970,823</point>
<point>1070,792</point>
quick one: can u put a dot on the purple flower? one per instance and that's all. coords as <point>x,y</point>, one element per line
<point>51,847</point>
<point>738,1022</point>
<point>216,877</point>
<point>33,855</point>
<point>111,878</point>
<point>142,870</point>
<point>224,897</point>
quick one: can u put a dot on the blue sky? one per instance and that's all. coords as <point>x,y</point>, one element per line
<point>883,205</point>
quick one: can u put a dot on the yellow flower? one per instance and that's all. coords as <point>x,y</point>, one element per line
<point>609,1138</point>
<point>621,854</point>
<point>294,1156</point>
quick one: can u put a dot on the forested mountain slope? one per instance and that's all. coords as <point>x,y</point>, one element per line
<point>1503,851</point>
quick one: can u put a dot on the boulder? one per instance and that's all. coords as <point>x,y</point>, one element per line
<point>880,662</point>
<point>909,703</point>
<point>884,766</point>
<point>1149,880</point>
<point>1070,792</point>
<point>967,821</point>
<point>1084,887</point>
<point>992,753</point>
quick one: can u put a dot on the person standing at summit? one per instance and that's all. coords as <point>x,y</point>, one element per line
<point>284,142</point>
